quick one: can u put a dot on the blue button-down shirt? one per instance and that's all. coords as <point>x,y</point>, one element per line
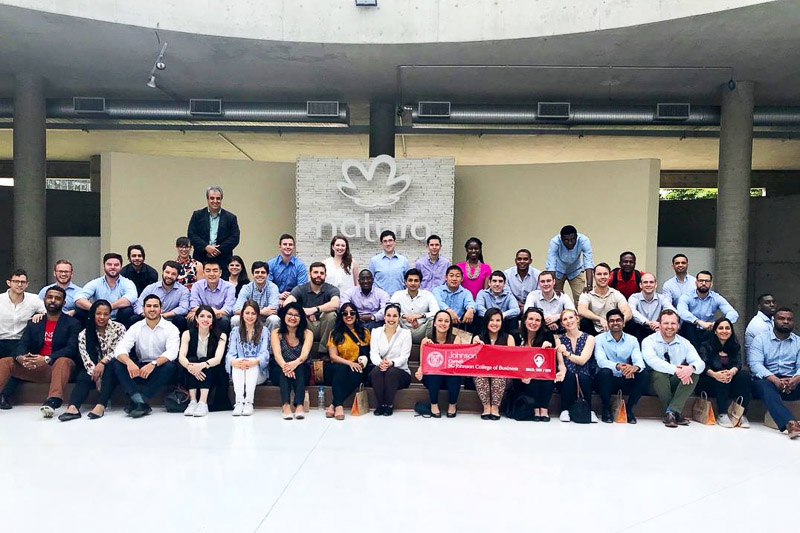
<point>569,263</point>
<point>99,289</point>
<point>609,352</point>
<point>269,296</point>
<point>389,271</point>
<point>289,275</point>
<point>692,308</point>
<point>222,298</point>
<point>176,300</point>
<point>458,300</point>
<point>770,355</point>
<point>519,287</point>
<point>758,325</point>
<point>504,301</point>
<point>673,288</point>
<point>432,273</point>
<point>72,291</point>
<point>680,350</point>
<point>213,227</point>
<point>367,304</point>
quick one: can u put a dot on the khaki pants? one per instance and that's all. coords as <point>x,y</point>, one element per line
<point>322,329</point>
<point>576,285</point>
<point>672,393</point>
<point>56,375</point>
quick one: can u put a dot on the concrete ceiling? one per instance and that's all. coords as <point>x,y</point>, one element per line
<point>85,57</point>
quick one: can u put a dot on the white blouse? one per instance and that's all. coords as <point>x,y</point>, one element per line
<point>397,350</point>
<point>337,277</point>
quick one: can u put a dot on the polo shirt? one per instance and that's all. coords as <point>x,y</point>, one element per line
<point>600,305</point>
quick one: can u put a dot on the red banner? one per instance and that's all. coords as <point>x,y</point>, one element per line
<point>488,361</point>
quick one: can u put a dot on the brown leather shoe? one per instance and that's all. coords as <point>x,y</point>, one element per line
<point>669,420</point>
<point>682,420</point>
<point>793,429</point>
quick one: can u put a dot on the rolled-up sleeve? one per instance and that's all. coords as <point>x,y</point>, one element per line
<point>756,357</point>
<point>586,248</point>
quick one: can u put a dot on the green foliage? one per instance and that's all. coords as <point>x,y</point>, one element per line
<point>701,194</point>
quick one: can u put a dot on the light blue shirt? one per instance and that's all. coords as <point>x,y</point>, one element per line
<point>692,308</point>
<point>176,300</point>
<point>569,263</point>
<point>504,301</point>
<point>266,297</point>
<point>770,355</point>
<point>389,271</point>
<point>99,289</point>
<point>680,350</point>
<point>72,291</point>
<point>673,288</point>
<point>758,325</point>
<point>521,288</point>
<point>289,275</point>
<point>213,227</point>
<point>241,349</point>
<point>458,300</point>
<point>609,352</point>
<point>223,297</point>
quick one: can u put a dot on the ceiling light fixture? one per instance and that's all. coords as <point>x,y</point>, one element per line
<point>158,65</point>
<point>366,3</point>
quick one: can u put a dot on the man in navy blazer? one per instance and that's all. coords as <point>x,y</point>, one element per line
<point>46,352</point>
<point>213,231</point>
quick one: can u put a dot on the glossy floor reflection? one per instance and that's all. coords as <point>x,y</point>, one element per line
<point>170,473</point>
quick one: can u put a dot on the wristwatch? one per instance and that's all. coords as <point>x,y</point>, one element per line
<point>154,362</point>
<point>48,359</point>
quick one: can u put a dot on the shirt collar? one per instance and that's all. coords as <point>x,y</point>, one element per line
<point>212,215</point>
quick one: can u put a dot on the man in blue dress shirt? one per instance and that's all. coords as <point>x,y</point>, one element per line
<point>118,290</point>
<point>62,272</point>
<point>570,257</point>
<point>698,310</point>
<point>455,299</point>
<point>286,270</point>
<point>389,267</point>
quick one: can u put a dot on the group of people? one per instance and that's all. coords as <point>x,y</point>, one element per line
<point>206,322</point>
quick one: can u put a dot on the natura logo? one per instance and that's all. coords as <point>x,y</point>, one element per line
<point>385,196</point>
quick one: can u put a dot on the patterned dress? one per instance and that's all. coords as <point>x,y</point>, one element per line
<point>107,341</point>
<point>586,370</point>
<point>187,275</point>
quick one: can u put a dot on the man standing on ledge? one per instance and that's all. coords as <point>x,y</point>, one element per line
<point>389,267</point>
<point>570,257</point>
<point>214,232</point>
<point>139,272</point>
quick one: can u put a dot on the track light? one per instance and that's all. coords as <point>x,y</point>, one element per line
<point>157,65</point>
<point>152,81</point>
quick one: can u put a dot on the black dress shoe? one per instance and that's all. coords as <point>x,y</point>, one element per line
<point>5,405</point>
<point>388,410</point>
<point>494,417</point>
<point>536,418</point>
<point>607,418</point>
<point>436,415</point>
<point>486,417</point>
<point>140,409</point>
<point>66,417</point>
<point>631,417</point>
<point>544,418</point>
<point>92,416</point>
<point>453,414</point>
<point>378,411</point>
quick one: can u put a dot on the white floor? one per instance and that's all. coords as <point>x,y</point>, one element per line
<point>169,473</point>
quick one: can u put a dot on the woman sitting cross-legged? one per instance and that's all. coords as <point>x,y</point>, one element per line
<point>441,333</point>
<point>389,350</point>
<point>291,347</point>
<point>492,390</point>
<point>96,345</point>
<point>348,348</point>
<point>248,358</point>
<point>202,348</point>
<point>576,349</point>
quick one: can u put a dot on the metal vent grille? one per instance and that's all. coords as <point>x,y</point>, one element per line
<point>322,109</point>
<point>88,105</point>
<point>433,109</point>
<point>673,111</point>
<point>205,107</point>
<point>553,110</point>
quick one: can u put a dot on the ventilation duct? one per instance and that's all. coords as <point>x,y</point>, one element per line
<point>89,106</point>
<point>553,110</point>
<point>209,108</point>
<point>673,111</point>
<point>433,109</point>
<point>322,109</point>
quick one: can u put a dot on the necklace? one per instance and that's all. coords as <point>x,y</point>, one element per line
<point>473,274</point>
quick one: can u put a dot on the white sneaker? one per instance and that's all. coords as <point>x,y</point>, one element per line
<point>724,421</point>
<point>237,409</point>
<point>201,409</point>
<point>247,410</point>
<point>564,417</point>
<point>745,423</point>
<point>594,418</point>
<point>190,409</point>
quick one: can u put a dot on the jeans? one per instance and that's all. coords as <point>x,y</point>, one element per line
<point>297,384</point>
<point>607,384</point>
<point>158,379</point>
<point>740,385</point>
<point>774,399</point>
<point>345,382</point>
<point>434,385</point>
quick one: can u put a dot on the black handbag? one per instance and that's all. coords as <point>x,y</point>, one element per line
<point>580,412</point>
<point>177,401</point>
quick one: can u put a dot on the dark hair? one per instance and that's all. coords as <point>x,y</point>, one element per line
<point>432,237</point>
<point>604,265</point>
<point>92,342</point>
<point>432,335</point>
<point>480,246</point>
<point>212,261</point>
<point>18,272</point>
<point>317,264</point>
<point>339,327</point>
<point>412,272</point>
<point>568,230</point>
<point>259,264</point>
<point>707,273</point>
<point>57,289</point>
<point>548,272</point>
<point>283,329</point>
<point>627,252</point>
<point>212,330</point>
<point>387,233</point>
<point>453,267</point>
<point>761,297</point>
<point>284,237</point>
<point>365,270</point>
<point>171,264</point>
<point>674,257</point>
<point>539,336</point>
<point>395,306</point>
<point>135,247</point>
<point>347,258</point>
<point>151,297</point>
<point>112,255</point>
<point>243,278</point>
<point>785,310</point>
<point>258,326</point>
<point>615,312</point>
<point>502,336</point>
<point>733,340</point>
<point>498,274</point>
<point>524,251</point>
<point>182,241</point>
<point>666,312</point>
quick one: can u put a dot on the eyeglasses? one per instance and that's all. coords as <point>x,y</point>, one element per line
<point>292,315</point>
<point>19,281</point>
<point>349,313</point>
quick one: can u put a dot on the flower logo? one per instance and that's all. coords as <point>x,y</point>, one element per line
<point>538,360</point>
<point>370,199</point>
<point>435,359</point>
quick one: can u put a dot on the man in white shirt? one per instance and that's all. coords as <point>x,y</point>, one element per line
<point>646,307</point>
<point>681,282</point>
<point>417,306</point>
<point>548,300</point>
<point>150,367</point>
<point>763,321</point>
<point>16,308</point>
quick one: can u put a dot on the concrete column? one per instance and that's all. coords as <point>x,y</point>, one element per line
<point>30,161</point>
<point>381,128</point>
<point>733,200</point>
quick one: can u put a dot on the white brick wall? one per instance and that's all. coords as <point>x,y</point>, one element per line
<point>429,200</point>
